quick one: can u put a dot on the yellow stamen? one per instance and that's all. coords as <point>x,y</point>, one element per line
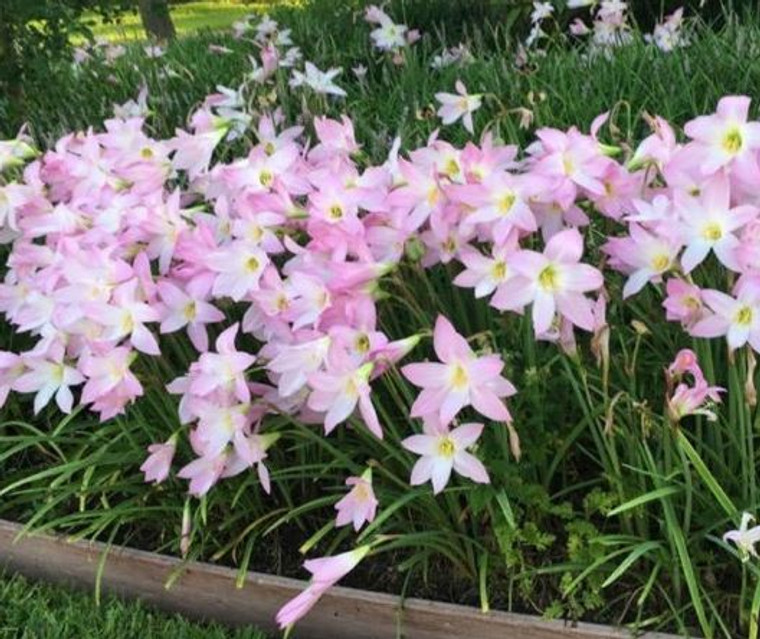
<point>548,279</point>
<point>505,203</point>
<point>660,263</point>
<point>712,232</point>
<point>744,316</point>
<point>446,447</point>
<point>732,141</point>
<point>459,377</point>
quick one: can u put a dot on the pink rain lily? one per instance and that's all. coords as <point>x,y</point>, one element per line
<point>360,504</point>
<point>688,400</point>
<point>683,302</point>
<point>110,384</point>
<point>326,572</point>
<point>726,138</point>
<point>11,368</point>
<point>126,315</point>
<point>318,81</point>
<point>239,265</point>
<point>184,310</point>
<point>156,466</point>
<point>554,281</point>
<point>459,105</point>
<point>738,318</point>
<point>443,451</point>
<point>203,473</point>
<point>338,390</point>
<point>463,379</point>
<point>48,378</point>
<point>223,370</point>
<point>645,256</point>
<point>745,537</point>
<point>485,274</point>
<point>708,224</point>
<point>295,362</point>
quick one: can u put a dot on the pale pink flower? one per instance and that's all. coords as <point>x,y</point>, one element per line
<point>318,81</point>
<point>745,537</point>
<point>442,451</point>
<point>463,379</point>
<point>125,316</point>
<point>686,362</point>
<point>738,318</point>
<point>181,309</point>
<point>109,378</point>
<point>11,367</point>
<point>339,389</point>
<point>485,274</point>
<point>694,400</point>
<point>295,362</point>
<point>459,105</point>
<point>708,224</point>
<point>326,572</point>
<point>683,302</point>
<point>48,378</point>
<point>555,282</point>
<point>645,256</point>
<point>203,473</point>
<point>223,370</point>
<point>156,466</point>
<point>239,265</point>
<point>360,504</point>
<point>727,138</point>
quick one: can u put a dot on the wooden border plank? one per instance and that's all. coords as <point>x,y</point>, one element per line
<point>207,591</point>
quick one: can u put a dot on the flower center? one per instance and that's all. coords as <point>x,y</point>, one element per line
<point>146,152</point>
<point>266,178</point>
<point>744,316</point>
<point>505,203</point>
<point>732,141</point>
<point>282,303</point>
<point>499,270</point>
<point>362,343</point>
<point>712,232</point>
<point>251,265</point>
<point>660,262</point>
<point>567,164</point>
<point>450,245</point>
<point>548,278</point>
<point>269,148</point>
<point>446,447</point>
<point>335,212</point>
<point>459,377</point>
<point>190,311</point>
<point>361,492</point>
<point>433,195</point>
<point>452,168</point>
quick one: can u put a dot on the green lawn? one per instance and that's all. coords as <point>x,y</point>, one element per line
<point>189,17</point>
<point>30,610</point>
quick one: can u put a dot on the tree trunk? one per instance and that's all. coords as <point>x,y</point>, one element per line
<point>156,19</point>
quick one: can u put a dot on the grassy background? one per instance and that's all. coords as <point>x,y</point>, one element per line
<point>31,610</point>
<point>187,17</point>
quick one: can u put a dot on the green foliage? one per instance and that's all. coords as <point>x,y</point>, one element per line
<point>30,610</point>
<point>35,33</point>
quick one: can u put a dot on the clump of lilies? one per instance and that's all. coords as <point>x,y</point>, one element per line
<point>108,255</point>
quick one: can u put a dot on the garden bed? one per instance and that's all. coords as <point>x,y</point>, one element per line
<point>202,590</point>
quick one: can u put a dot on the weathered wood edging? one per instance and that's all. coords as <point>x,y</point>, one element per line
<point>209,592</point>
